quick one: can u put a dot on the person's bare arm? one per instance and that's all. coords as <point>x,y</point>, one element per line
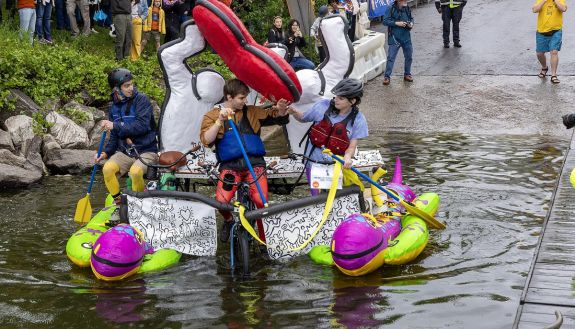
<point>560,5</point>
<point>537,7</point>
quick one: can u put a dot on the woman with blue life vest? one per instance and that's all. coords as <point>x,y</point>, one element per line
<point>338,124</point>
<point>131,125</point>
<point>216,131</point>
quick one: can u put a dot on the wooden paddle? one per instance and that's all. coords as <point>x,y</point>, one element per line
<point>84,208</point>
<point>410,207</point>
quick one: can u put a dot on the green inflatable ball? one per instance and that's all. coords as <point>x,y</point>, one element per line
<point>321,255</point>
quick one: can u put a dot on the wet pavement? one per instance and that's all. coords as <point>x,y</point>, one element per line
<point>489,86</point>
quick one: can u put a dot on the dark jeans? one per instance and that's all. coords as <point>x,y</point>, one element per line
<point>43,14</point>
<point>172,26</point>
<point>10,8</point>
<point>448,15</point>
<point>62,20</point>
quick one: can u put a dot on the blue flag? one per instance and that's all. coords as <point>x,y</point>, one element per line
<point>377,8</point>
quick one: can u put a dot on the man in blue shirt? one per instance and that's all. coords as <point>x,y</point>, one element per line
<point>399,23</point>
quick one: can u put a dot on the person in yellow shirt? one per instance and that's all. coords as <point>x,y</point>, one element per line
<point>155,25</point>
<point>549,34</point>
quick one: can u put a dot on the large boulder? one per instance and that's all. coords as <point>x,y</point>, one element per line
<point>23,105</point>
<point>49,143</point>
<point>89,115</point>
<point>66,132</point>
<point>65,161</point>
<point>16,171</point>
<point>31,151</point>
<point>20,129</point>
<point>6,141</point>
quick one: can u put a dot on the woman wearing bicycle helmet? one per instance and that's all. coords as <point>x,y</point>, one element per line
<point>338,124</point>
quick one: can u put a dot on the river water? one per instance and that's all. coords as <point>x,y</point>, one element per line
<point>495,193</point>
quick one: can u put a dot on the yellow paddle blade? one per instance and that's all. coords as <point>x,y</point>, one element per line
<point>430,220</point>
<point>83,210</point>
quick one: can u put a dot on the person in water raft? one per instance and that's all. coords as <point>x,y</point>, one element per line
<point>132,126</point>
<point>338,124</point>
<point>249,119</point>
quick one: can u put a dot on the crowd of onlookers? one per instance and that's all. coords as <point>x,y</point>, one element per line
<point>131,22</point>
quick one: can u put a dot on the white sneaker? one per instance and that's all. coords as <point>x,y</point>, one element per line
<point>94,30</point>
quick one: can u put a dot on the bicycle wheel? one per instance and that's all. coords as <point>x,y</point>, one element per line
<point>242,251</point>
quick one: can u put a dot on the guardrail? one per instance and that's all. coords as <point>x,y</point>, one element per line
<point>370,56</point>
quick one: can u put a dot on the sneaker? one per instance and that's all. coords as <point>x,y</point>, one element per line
<point>42,41</point>
<point>457,44</point>
<point>94,30</point>
<point>386,81</point>
<point>226,229</point>
<point>445,45</point>
<point>49,42</point>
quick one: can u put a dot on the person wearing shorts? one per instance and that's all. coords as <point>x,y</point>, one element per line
<point>132,130</point>
<point>549,34</point>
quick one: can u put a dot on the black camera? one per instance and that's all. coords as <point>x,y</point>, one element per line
<point>569,120</point>
<point>409,25</point>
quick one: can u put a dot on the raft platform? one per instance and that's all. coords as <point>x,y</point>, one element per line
<point>550,284</point>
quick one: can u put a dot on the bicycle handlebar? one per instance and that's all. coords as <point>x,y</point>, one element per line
<point>294,156</point>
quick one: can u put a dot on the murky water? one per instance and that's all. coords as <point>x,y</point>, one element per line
<point>495,193</point>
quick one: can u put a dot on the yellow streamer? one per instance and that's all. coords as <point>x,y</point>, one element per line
<point>328,206</point>
<point>247,226</point>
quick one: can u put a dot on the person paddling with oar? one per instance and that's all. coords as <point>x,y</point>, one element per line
<point>338,126</point>
<point>234,166</point>
<point>131,125</point>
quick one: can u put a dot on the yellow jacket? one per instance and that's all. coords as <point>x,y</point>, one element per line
<point>161,23</point>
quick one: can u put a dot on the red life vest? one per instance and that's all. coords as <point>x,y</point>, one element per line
<point>332,136</point>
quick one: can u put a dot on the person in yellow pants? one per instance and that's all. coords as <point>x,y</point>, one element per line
<point>139,15</point>
<point>132,131</point>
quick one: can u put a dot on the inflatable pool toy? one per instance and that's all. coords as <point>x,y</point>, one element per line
<point>118,253</point>
<point>275,78</point>
<point>364,242</point>
<point>79,245</point>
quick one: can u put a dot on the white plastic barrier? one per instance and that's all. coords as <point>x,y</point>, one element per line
<point>370,56</point>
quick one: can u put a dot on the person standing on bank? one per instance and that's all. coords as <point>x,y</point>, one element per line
<point>549,34</point>
<point>131,125</point>
<point>399,23</point>
<point>451,11</point>
<point>122,18</point>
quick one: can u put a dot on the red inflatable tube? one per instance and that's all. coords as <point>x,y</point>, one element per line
<point>259,67</point>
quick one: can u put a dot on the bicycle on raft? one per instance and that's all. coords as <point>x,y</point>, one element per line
<point>242,242</point>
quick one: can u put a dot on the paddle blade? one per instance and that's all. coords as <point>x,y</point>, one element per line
<point>83,210</point>
<point>430,220</point>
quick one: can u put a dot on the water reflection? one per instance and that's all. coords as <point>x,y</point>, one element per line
<point>495,192</point>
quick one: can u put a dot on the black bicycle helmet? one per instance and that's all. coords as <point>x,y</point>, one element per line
<point>349,88</point>
<point>118,76</point>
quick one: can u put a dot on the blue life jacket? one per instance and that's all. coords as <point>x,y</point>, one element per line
<point>228,148</point>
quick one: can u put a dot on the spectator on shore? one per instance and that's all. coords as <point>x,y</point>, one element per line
<point>173,9</point>
<point>549,34</point>
<point>27,14</point>
<point>62,20</point>
<point>43,14</point>
<point>451,12</point>
<point>139,15</point>
<point>276,34</point>
<point>11,8</point>
<point>314,32</point>
<point>84,11</point>
<point>295,41</point>
<point>155,24</point>
<point>93,5</point>
<point>122,18</point>
<point>398,18</point>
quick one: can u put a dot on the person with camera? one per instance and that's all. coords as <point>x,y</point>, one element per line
<point>451,12</point>
<point>549,34</point>
<point>131,125</point>
<point>216,130</point>
<point>294,42</point>
<point>399,23</point>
